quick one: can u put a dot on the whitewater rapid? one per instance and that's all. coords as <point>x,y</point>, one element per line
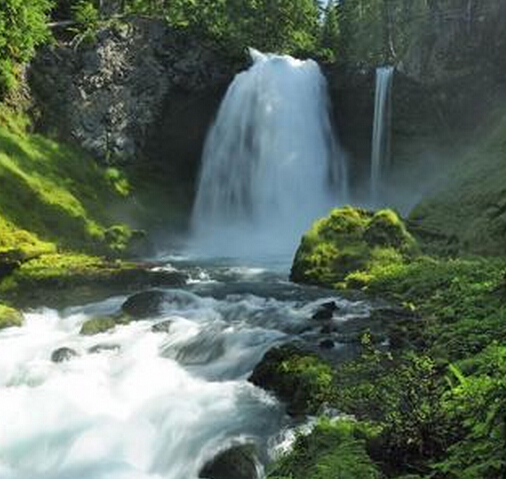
<point>150,405</point>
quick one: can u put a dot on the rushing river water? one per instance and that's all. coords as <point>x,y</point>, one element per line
<point>151,404</point>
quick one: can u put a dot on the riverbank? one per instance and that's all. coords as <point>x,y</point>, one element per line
<point>427,398</point>
<point>66,224</point>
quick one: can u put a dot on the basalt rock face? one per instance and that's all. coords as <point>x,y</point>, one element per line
<point>112,96</point>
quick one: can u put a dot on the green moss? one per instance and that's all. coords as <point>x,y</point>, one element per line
<point>102,324</point>
<point>98,325</point>
<point>17,244</point>
<point>334,450</point>
<point>52,193</point>
<point>346,247</point>
<point>59,279</point>
<point>301,379</point>
<point>9,317</point>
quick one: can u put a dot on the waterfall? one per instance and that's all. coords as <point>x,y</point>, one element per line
<point>380,156</point>
<point>271,164</point>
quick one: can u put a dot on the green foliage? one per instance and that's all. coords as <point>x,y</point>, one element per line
<point>334,450</point>
<point>9,317</point>
<point>380,31</point>
<point>478,404</point>
<point>23,26</point>
<point>86,15</point>
<point>268,25</point>
<point>468,212</point>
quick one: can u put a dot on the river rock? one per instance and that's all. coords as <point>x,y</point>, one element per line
<point>238,462</point>
<point>61,355</point>
<point>144,305</point>
<point>296,376</point>
<point>162,327</point>
<point>100,348</point>
<point>325,311</point>
<point>327,344</point>
<point>10,317</point>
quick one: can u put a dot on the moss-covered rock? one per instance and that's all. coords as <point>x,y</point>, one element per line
<point>301,379</point>
<point>351,241</point>
<point>9,317</point>
<point>102,324</point>
<point>80,277</point>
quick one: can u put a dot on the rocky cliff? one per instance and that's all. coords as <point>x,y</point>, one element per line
<point>112,94</point>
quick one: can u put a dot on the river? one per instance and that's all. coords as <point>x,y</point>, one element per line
<point>154,405</point>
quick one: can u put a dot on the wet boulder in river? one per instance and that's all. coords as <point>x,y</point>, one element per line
<point>238,462</point>
<point>144,305</point>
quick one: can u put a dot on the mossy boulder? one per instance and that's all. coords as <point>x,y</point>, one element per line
<point>102,324</point>
<point>10,317</point>
<point>350,241</point>
<point>301,379</point>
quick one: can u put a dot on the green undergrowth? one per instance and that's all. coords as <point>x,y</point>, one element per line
<point>59,215</point>
<point>437,394</point>
<point>334,450</point>
<point>299,378</point>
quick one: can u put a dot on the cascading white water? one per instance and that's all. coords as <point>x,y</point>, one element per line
<point>380,156</point>
<point>271,164</point>
<point>150,405</point>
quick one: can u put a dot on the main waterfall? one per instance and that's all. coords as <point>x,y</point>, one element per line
<point>380,155</point>
<point>271,164</point>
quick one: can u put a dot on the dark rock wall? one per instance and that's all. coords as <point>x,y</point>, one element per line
<point>112,95</point>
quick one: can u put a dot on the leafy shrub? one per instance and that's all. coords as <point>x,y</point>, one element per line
<point>23,26</point>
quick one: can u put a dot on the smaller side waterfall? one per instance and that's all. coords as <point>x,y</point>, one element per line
<point>380,156</point>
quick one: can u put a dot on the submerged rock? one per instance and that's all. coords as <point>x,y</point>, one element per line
<point>325,311</point>
<point>327,344</point>
<point>63,354</point>
<point>143,305</point>
<point>238,462</point>
<point>100,348</point>
<point>162,327</point>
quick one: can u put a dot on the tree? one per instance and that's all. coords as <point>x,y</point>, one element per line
<point>23,26</point>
